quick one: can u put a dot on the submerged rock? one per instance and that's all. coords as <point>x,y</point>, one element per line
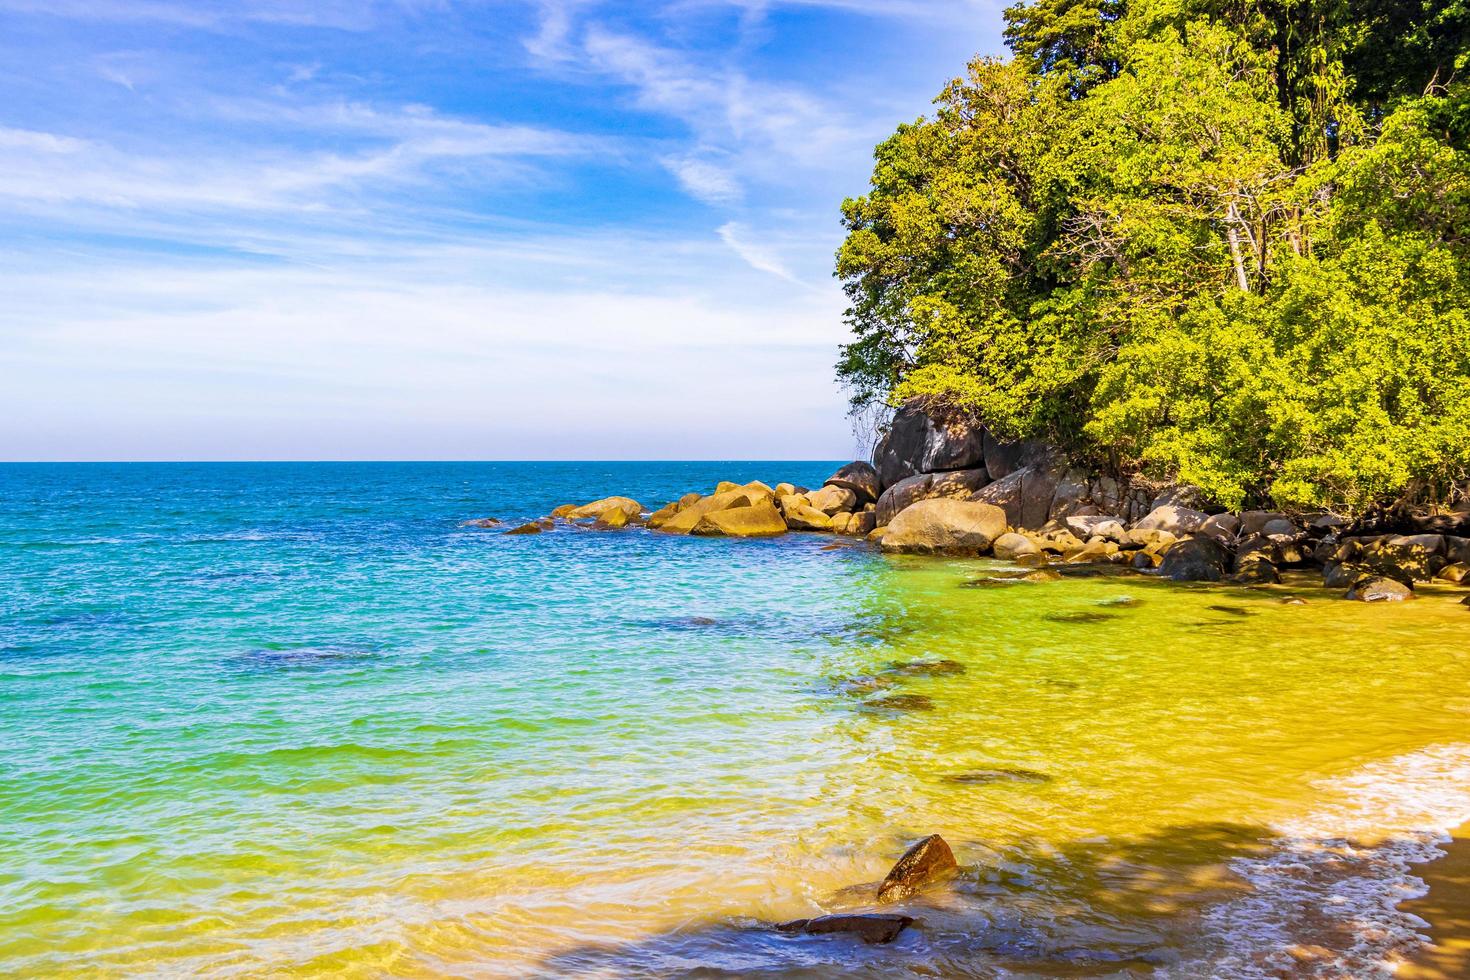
<point>926,863</point>
<point>925,668</point>
<point>1256,573</point>
<point>483,522</point>
<point>899,702</point>
<point>532,528</point>
<point>877,928</point>
<point>984,777</point>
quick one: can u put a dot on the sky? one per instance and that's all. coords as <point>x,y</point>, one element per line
<point>428,229</point>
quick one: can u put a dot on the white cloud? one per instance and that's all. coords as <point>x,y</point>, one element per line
<point>756,254</point>
<point>709,182</point>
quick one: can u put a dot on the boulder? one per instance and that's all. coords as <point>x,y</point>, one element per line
<point>757,520</point>
<point>1195,560</point>
<point>598,508</point>
<point>1341,575</point>
<point>689,517</point>
<point>783,490</point>
<point>1011,546</point>
<point>803,518</point>
<point>1379,588</point>
<point>918,442</point>
<point>1457,550</point>
<point>863,522</point>
<point>1255,521</point>
<point>956,484</point>
<point>1095,550</point>
<point>1025,496</point>
<point>1455,574</point>
<point>525,529</point>
<point>829,500</point>
<point>1182,495</point>
<point>1145,560</point>
<point>1097,525</point>
<point>859,477</point>
<point>612,519</point>
<point>1004,458</point>
<point>665,513</point>
<point>1256,573</point>
<point>1149,540</point>
<point>1221,527</point>
<point>725,486</point>
<point>1257,547</point>
<point>1057,540</point>
<point>944,526</point>
<point>562,511</point>
<point>482,522</point>
<point>1280,528</point>
<point>1176,520</point>
<point>927,862</point>
<point>876,928</point>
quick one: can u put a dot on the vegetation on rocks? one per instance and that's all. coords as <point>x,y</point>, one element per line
<point>1225,244</point>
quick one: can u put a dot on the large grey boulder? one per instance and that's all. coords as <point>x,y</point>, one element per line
<point>1377,588</point>
<point>874,928</point>
<point>918,442</point>
<point>1196,560</point>
<point>1025,496</point>
<point>1173,518</point>
<point>859,477</point>
<point>956,484</point>
<point>945,527</point>
<point>1008,457</point>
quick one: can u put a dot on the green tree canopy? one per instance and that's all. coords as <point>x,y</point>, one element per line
<point>1220,241</point>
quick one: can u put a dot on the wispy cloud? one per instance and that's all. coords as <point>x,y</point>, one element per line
<point>757,255</point>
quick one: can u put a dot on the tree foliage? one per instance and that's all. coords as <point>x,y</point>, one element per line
<point>1222,241</point>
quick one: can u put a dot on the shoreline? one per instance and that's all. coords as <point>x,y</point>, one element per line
<point>1446,907</point>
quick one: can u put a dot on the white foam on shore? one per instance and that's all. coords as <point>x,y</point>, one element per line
<point>1333,879</point>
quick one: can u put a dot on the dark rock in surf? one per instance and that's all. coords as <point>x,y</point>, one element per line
<point>532,528</point>
<point>1195,560</point>
<point>875,928</point>
<point>985,777</point>
<point>926,863</point>
<point>899,702</point>
<point>859,477</point>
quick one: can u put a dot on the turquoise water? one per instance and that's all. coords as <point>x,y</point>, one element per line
<point>294,719</point>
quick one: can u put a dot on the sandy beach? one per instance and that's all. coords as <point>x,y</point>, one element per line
<point>1447,909</point>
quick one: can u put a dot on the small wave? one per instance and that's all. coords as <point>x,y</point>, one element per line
<point>1324,900</point>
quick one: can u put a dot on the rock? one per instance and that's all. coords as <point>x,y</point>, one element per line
<point>1183,495</point>
<point>1150,540</point>
<point>1465,601</point>
<point>562,511</point>
<point>899,702</point>
<point>859,477</point>
<point>1091,525</point>
<point>943,526</point>
<point>1195,560</point>
<point>725,486</point>
<point>956,484</point>
<point>985,777</point>
<point>803,518</point>
<point>917,442</point>
<point>760,488</point>
<point>783,490</point>
<point>877,535</point>
<point>665,513</point>
<point>1280,527</point>
<point>927,862</point>
<point>1004,458</point>
<point>482,522</point>
<point>611,520</point>
<point>1378,588</point>
<point>1057,540</point>
<point>1255,521</point>
<point>1457,550</point>
<point>1221,527</point>
<point>1454,574</point>
<point>1036,559</point>
<point>1093,551</point>
<point>598,508</point>
<point>689,517</point>
<point>690,499</point>
<point>830,499</point>
<point>1011,546</point>
<point>1341,575</point>
<point>1145,560</point>
<point>1256,573</point>
<point>925,668</point>
<point>1257,547</point>
<point>525,529</point>
<point>875,928</point>
<point>757,520</point>
<point>1025,496</point>
<point>1172,518</point>
<point>861,523</point>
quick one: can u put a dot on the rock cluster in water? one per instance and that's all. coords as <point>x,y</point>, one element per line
<point>945,486</point>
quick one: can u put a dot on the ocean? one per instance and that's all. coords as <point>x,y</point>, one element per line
<point>295,719</point>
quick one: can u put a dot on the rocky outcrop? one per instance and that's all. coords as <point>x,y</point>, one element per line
<point>917,442</point>
<point>945,527</point>
<point>955,484</point>
<point>928,862</point>
<point>632,508</point>
<point>1025,495</point>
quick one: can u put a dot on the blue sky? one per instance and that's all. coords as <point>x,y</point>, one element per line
<point>423,229</point>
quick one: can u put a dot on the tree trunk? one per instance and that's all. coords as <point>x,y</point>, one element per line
<point>1232,235</point>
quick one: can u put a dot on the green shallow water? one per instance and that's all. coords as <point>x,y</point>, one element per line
<point>295,721</point>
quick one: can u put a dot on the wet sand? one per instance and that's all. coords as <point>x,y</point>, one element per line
<point>1447,909</point>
